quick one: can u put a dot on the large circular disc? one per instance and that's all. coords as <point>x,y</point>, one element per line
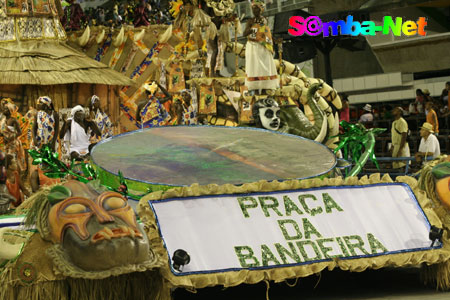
<point>184,155</point>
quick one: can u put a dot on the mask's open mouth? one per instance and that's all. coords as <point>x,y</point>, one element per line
<point>275,123</point>
<point>112,233</point>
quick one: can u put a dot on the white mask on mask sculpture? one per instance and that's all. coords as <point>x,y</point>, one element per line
<point>270,117</point>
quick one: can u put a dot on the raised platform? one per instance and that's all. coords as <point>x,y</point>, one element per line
<point>163,157</point>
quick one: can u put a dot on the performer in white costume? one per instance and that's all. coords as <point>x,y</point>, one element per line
<point>75,133</point>
<point>259,64</point>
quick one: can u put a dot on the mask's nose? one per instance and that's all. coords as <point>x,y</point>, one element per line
<point>103,216</point>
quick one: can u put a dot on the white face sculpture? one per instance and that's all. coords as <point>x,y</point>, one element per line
<point>270,117</point>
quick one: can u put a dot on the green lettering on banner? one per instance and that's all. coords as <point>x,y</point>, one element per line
<point>290,206</point>
<point>243,257</point>
<point>312,212</point>
<point>301,247</point>
<point>309,229</point>
<point>352,246</point>
<point>326,249</point>
<point>267,256</point>
<point>265,206</point>
<point>282,252</point>
<point>330,203</point>
<point>244,204</point>
<point>375,244</point>
<point>284,230</point>
<point>342,246</point>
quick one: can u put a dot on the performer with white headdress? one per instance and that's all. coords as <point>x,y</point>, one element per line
<point>75,132</point>
<point>259,64</point>
<point>101,119</point>
<point>46,124</point>
<point>44,132</point>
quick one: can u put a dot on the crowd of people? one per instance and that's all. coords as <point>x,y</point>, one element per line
<point>136,13</point>
<point>431,108</point>
<point>72,137</point>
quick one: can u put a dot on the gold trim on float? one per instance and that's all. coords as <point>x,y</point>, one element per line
<point>19,36</point>
<point>14,34</point>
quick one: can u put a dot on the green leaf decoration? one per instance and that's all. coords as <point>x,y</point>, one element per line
<point>55,174</point>
<point>58,194</point>
<point>441,170</point>
<point>121,178</point>
<point>354,141</point>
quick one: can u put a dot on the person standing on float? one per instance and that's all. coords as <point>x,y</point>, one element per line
<point>10,131</point>
<point>259,64</point>
<point>151,112</point>
<point>101,119</point>
<point>46,124</point>
<point>44,132</point>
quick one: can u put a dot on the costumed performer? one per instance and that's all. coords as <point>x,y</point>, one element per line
<point>5,197</point>
<point>186,112</point>
<point>151,112</point>
<point>73,16</point>
<point>75,133</point>
<point>217,33</point>
<point>24,122</point>
<point>44,132</point>
<point>30,116</point>
<point>140,15</point>
<point>259,64</point>
<point>10,131</point>
<point>46,124</point>
<point>101,119</point>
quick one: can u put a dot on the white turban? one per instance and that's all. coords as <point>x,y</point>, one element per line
<point>75,110</point>
<point>94,98</point>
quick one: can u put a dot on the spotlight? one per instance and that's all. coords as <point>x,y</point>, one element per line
<point>435,234</point>
<point>180,258</point>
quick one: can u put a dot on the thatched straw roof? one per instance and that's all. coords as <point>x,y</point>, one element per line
<point>33,49</point>
<point>52,62</point>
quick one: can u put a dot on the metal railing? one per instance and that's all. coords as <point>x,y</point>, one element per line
<point>407,160</point>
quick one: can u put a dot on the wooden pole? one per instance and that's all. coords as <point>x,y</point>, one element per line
<point>236,62</point>
<point>280,54</point>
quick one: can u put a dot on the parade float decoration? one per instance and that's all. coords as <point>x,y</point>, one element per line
<point>36,60</point>
<point>258,205</point>
<point>83,224</point>
<point>353,141</point>
<point>155,52</point>
<point>288,118</point>
<point>275,231</point>
<point>435,181</point>
<point>88,246</point>
<point>160,158</point>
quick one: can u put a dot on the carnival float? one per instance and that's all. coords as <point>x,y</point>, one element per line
<point>207,182</point>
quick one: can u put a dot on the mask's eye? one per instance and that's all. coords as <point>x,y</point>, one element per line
<point>76,209</point>
<point>268,113</point>
<point>278,113</point>
<point>114,203</point>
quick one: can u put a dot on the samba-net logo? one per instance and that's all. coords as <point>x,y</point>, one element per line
<point>314,26</point>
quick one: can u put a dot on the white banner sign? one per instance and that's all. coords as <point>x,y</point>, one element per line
<point>260,230</point>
